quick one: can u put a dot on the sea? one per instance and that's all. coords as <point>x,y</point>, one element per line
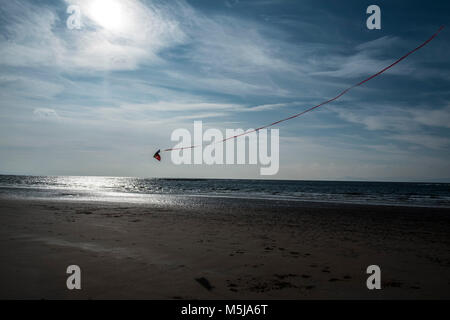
<point>147,190</point>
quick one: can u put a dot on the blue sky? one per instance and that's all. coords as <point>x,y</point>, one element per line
<point>100,100</point>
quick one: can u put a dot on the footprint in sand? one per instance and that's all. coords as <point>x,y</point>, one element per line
<point>205,283</point>
<point>232,286</point>
<point>326,269</point>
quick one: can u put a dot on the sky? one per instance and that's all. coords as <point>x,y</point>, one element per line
<point>100,100</point>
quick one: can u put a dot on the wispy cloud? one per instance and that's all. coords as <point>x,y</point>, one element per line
<point>411,125</point>
<point>33,38</point>
<point>433,117</point>
<point>45,114</point>
<point>395,118</point>
<point>427,141</point>
<point>366,60</point>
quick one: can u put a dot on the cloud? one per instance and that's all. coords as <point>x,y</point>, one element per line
<point>175,106</point>
<point>385,117</point>
<point>377,118</point>
<point>231,84</point>
<point>265,107</point>
<point>435,118</point>
<point>234,45</point>
<point>177,45</point>
<point>379,45</point>
<point>45,114</point>
<point>180,106</point>
<point>428,141</point>
<point>37,37</point>
<point>28,86</point>
<point>410,125</point>
<point>365,61</point>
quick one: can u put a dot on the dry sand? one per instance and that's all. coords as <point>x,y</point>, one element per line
<point>252,249</point>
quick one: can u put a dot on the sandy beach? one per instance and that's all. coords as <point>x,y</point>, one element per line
<point>222,249</point>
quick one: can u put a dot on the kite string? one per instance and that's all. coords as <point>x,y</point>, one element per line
<point>325,102</point>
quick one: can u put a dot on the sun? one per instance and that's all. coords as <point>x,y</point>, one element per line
<point>108,14</point>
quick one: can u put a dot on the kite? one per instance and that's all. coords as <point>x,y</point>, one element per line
<point>158,157</point>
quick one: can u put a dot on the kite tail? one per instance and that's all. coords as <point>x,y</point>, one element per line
<point>323,103</point>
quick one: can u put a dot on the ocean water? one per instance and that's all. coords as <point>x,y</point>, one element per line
<point>138,190</point>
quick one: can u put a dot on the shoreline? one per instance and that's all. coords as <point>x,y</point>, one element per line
<point>258,249</point>
<point>217,196</point>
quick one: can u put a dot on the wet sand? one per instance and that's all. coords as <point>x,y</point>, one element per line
<point>212,248</point>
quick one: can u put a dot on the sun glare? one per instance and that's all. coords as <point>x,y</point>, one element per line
<point>108,14</point>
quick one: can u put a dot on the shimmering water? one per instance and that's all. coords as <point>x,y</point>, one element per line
<point>145,190</point>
